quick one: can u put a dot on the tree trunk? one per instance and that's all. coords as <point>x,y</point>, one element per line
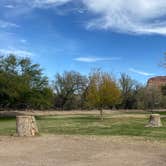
<point>101,114</point>
<point>154,121</point>
<point>26,126</point>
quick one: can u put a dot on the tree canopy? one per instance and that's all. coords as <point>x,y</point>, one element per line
<point>23,84</point>
<point>69,88</point>
<point>102,91</point>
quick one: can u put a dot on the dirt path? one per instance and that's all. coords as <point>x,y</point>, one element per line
<point>80,151</point>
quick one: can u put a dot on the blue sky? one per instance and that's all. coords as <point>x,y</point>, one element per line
<point>80,35</point>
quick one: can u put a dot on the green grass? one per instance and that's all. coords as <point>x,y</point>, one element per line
<point>90,125</point>
<point>161,112</point>
<point>7,126</point>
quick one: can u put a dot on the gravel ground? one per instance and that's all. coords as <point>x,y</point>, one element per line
<point>51,150</point>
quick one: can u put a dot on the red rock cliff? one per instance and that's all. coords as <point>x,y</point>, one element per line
<point>156,81</point>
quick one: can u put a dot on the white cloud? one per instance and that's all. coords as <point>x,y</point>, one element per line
<point>94,59</point>
<point>35,3</point>
<point>51,1</point>
<point>9,6</point>
<point>23,41</point>
<point>128,16</point>
<point>140,72</point>
<point>20,53</point>
<point>6,24</point>
<point>125,16</point>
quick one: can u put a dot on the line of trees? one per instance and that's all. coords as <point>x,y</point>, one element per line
<point>24,86</point>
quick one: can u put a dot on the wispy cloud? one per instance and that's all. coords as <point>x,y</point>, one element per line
<point>23,41</point>
<point>95,59</point>
<point>6,24</point>
<point>9,6</point>
<point>20,53</point>
<point>139,17</point>
<point>22,7</point>
<point>135,17</point>
<point>50,2</point>
<point>141,72</point>
<point>34,3</point>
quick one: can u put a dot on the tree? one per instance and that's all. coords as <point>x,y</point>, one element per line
<point>23,84</point>
<point>102,91</point>
<point>149,98</point>
<point>69,88</point>
<point>128,88</point>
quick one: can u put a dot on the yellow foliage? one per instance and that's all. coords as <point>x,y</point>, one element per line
<point>102,91</point>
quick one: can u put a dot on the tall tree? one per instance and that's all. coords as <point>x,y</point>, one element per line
<point>69,88</point>
<point>149,98</point>
<point>23,84</point>
<point>128,88</point>
<point>102,91</point>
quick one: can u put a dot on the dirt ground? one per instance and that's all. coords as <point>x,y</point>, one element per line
<point>52,150</point>
<point>114,114</point>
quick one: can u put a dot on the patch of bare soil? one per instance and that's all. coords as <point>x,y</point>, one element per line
<point>52,150</point>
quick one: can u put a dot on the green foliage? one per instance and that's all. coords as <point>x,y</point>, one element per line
<point>163,90</point>
<point>23,85</point>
